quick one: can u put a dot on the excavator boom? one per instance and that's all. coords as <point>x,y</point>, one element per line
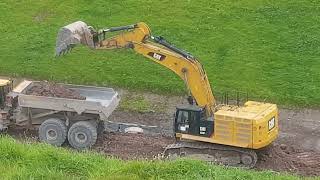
<point>138,37</point>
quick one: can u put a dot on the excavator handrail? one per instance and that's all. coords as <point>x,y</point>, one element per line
<point>162,41</point>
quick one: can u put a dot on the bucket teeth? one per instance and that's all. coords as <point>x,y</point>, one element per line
<point>71,35</point>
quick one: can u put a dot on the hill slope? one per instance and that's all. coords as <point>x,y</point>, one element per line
<point>270,49</point>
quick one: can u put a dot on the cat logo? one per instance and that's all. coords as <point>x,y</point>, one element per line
<point>157,56</point>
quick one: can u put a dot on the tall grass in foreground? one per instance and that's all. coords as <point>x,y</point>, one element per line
<point>40,161</point>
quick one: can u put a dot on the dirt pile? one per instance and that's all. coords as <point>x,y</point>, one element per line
<point>132,146</point>
<point>53,90</point>
<point>289,158</point>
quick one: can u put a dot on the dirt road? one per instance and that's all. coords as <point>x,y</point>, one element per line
<point>300,127</point>
<point>297,148</point>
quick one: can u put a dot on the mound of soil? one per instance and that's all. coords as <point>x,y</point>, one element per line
<point>53,90</point>
<point>132,146</point>
<point>289,158</point>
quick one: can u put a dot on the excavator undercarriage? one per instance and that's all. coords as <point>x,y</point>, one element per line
<point>212,153</point>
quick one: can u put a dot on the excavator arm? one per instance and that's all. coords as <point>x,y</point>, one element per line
<point>138,37</point>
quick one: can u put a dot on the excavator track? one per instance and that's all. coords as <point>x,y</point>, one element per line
<point>212,153</point>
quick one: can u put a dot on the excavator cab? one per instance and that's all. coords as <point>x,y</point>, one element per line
<point>5,87</point>
<point>192,120</point>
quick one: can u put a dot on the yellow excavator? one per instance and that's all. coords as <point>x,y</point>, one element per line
<point>204,130</point>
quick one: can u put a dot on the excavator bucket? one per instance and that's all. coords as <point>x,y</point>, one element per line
<point>73,34</point>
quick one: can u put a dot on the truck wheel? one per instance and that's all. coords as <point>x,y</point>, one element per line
<point>53,131</point>
<point>82,135</point>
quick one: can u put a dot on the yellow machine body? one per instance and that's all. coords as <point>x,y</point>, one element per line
<point>6,86</point>
<point>4,82</point>
<point>254,125</point>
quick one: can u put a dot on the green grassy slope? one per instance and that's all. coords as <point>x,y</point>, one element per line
<point>270,49</point>
<point>40,161</point>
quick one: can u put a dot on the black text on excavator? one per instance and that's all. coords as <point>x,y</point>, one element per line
<point>204,130</point>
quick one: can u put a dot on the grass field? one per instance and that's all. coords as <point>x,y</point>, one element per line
<point>268,48</point>
<point>40,161</point>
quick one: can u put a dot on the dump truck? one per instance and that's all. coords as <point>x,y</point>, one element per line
<point>57,118</point>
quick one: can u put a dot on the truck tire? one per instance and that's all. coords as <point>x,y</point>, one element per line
<point>53,131</point>
<point>82,135</point>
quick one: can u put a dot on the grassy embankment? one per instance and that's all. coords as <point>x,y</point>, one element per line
<point>270,49</point>
<point>41,161</point>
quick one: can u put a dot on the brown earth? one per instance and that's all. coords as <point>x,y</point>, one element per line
<point>50,89</point>
<point>289,158</point>
<point>132,146</point>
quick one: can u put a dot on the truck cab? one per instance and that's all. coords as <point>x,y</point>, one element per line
<point>6,86</point>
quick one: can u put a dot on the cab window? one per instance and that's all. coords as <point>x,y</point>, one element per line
<point>183,117</point>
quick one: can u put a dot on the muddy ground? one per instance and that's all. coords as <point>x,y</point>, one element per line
<point>297,150</point>
<point>132,146</point>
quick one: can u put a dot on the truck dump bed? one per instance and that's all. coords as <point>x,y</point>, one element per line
<point>99,100</point>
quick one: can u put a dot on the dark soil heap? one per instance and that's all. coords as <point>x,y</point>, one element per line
<point>289,158</point>
<point>50,89</point>
<point>132,146</point>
